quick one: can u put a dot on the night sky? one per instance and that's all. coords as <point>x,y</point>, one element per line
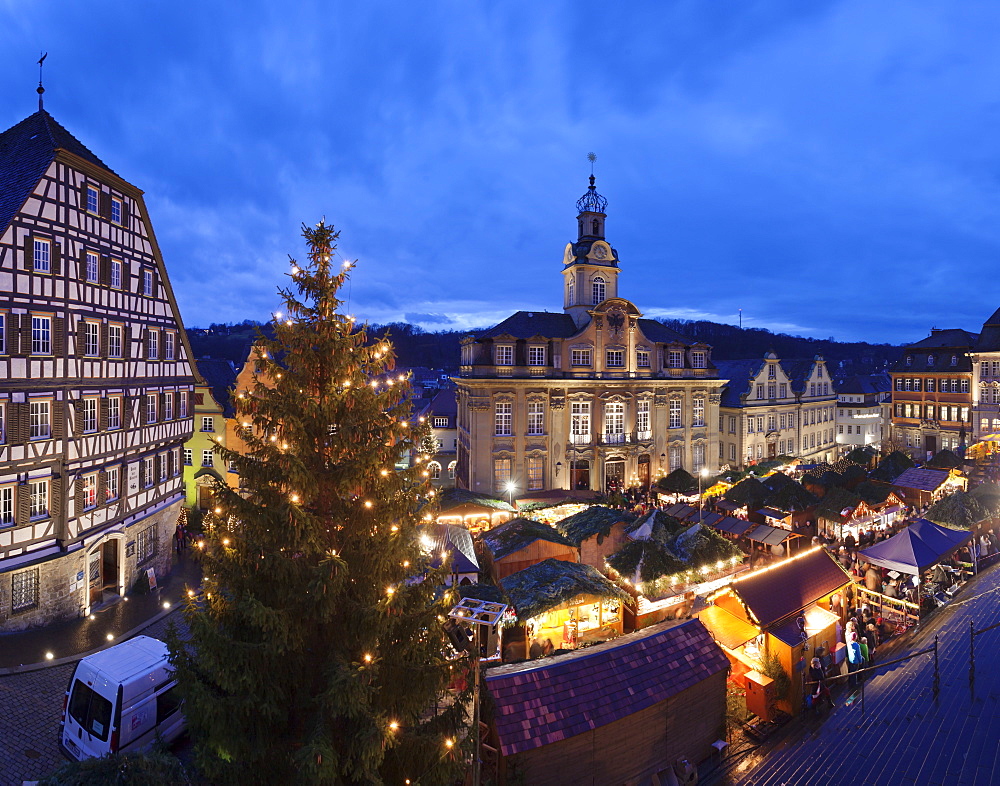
<point>829,167</point>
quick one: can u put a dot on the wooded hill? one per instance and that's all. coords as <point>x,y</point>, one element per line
<point>440,349</point>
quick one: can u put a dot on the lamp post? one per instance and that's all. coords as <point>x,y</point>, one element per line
<point>477,613</point>
<point>702,473</point>
<point>510,492</point>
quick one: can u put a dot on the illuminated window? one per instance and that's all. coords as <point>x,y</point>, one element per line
<point>536,418</point>
<point>503,419</point>
<point>42,259</point>
<point>598,290</point>
<point>536,356</point>
<point>89,491</point>
<point>92,200</point>
<point>504,354</point>
<point>39,499</point>
<point>116,210</point>
<point>112,483</point>
<point>580,357</point>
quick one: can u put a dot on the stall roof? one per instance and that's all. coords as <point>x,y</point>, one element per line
<point>517,534</point>
<point>725,504</point>
<point>790,585</point>
<point>711,519</point>
<point>730,631</point>
<point>453,499</point>
<point>922,479</point>
<point>571,694</point>
<point>918,546</point>
<point>733,526</point>
<point>554,582</point>
<point>772,536</point>
<point>680,511</point>
<point>771,513</point>
<point>817,619</point>
<point>592,521</point>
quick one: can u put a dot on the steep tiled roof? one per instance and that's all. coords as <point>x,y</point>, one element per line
<point>526,324</point>
<point>444,404</point>
<point>26,150</point>
<point>790,586</point>
<point>657,331</point>
<point>798,372</point>
<point>940,346</point>
<point>989,336</point>
<point>588,689</point>
<point>221,377</point>
<point>865,385</point>
<point>739,373</point>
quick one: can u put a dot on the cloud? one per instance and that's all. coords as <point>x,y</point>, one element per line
<point>428,319</point>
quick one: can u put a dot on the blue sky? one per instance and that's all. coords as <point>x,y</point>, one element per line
<point>829,167</point>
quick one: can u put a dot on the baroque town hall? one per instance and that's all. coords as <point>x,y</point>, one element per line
<point>95,381</point>
<point>590,398</point>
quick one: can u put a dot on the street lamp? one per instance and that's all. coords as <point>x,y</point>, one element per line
<point>478,613</point>
<point>702,473</point>
<point>510,491</point>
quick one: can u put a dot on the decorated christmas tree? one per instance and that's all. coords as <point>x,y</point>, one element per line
<point>316,652</point>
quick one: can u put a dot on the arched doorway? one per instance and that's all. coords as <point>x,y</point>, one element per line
<point>104,571</point>
<point>580,475</point>
<point>614,474</point>
<point>643,472</point>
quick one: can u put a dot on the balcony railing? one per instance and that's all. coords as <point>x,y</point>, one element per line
<point>579,439</point>
<point>615,439</point>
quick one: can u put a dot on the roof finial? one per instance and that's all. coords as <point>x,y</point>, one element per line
<point>592,157</point>
<point>40,89</point>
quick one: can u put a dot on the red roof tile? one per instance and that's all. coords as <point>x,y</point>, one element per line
<point>573,693</point>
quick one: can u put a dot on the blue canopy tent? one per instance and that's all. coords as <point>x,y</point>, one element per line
<point>917,547</point>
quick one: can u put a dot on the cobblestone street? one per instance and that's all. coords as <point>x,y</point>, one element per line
<point>30,710</point>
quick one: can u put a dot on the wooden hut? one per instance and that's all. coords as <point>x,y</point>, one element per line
<point>475,512</point>
<point>597,532</point>
<point>565,603</point>
<point>520,543</point>
<point>783,610</point>
<point>920,486</point>
<point>622,712</point>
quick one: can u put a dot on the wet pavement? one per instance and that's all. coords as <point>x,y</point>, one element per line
<point>904,734</point>
<point>27,649</point>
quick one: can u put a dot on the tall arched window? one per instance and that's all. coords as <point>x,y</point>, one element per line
<point>599,289</point>
<point>435,470</point>
<point>571,293</point>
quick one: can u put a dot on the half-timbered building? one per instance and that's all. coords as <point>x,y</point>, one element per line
<point>95,381</point>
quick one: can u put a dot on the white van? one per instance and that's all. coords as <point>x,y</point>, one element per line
<point>121,699</point>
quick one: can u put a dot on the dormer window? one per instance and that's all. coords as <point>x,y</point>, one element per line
<point>599,288</point>
<point>954,360</point>
<point>675,359</point>
<point>698,359</point>
<point>536,356</point>
<point>930,360</point>
<point>772,371</point>
<point>92,200</point>
<point>504,355</point>
<point>909,360</point>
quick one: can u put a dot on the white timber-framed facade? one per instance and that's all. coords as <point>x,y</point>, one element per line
<point>590,399</point>
<point>96,385</point>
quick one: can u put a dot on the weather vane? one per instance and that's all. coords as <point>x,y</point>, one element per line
<point>591,157</point>
<point>40,89</point>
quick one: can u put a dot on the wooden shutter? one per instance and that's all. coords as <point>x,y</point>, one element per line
<point>156,281</point>
<point>55,497</point>
<point>157,468</point>
<point>142,473</point>
<point>15,346</point>
<point>102,416</point>
<point>81,337</point>
<point>16,432</point>
<point>83,196</point>
<point>58,419</point>
<point>29,252</point>
<point>177,404</point>
<point>83,263</point>
<point>104,340</point>
<point>78,419</point>
<point>55,258</point>
<point>125,213</point>
<point>102,487</point>
<point>23,510</point>
<point>126,341</point>
<point>79,500</point>
<point>58,335</point>
<point>104,270</point>
<point>104,202</point>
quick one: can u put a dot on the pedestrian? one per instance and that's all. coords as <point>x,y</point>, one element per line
<point>818,686</point>
<point>179,537</point>
<point>855,659</point>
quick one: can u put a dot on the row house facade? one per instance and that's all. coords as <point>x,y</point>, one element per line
<point>213,409</point>
<point>95,398</point>
<point>595,397</point>
<point>986,382</point>
<point>932,384</point>
<point>773,407</point>
<point>864,411</point>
